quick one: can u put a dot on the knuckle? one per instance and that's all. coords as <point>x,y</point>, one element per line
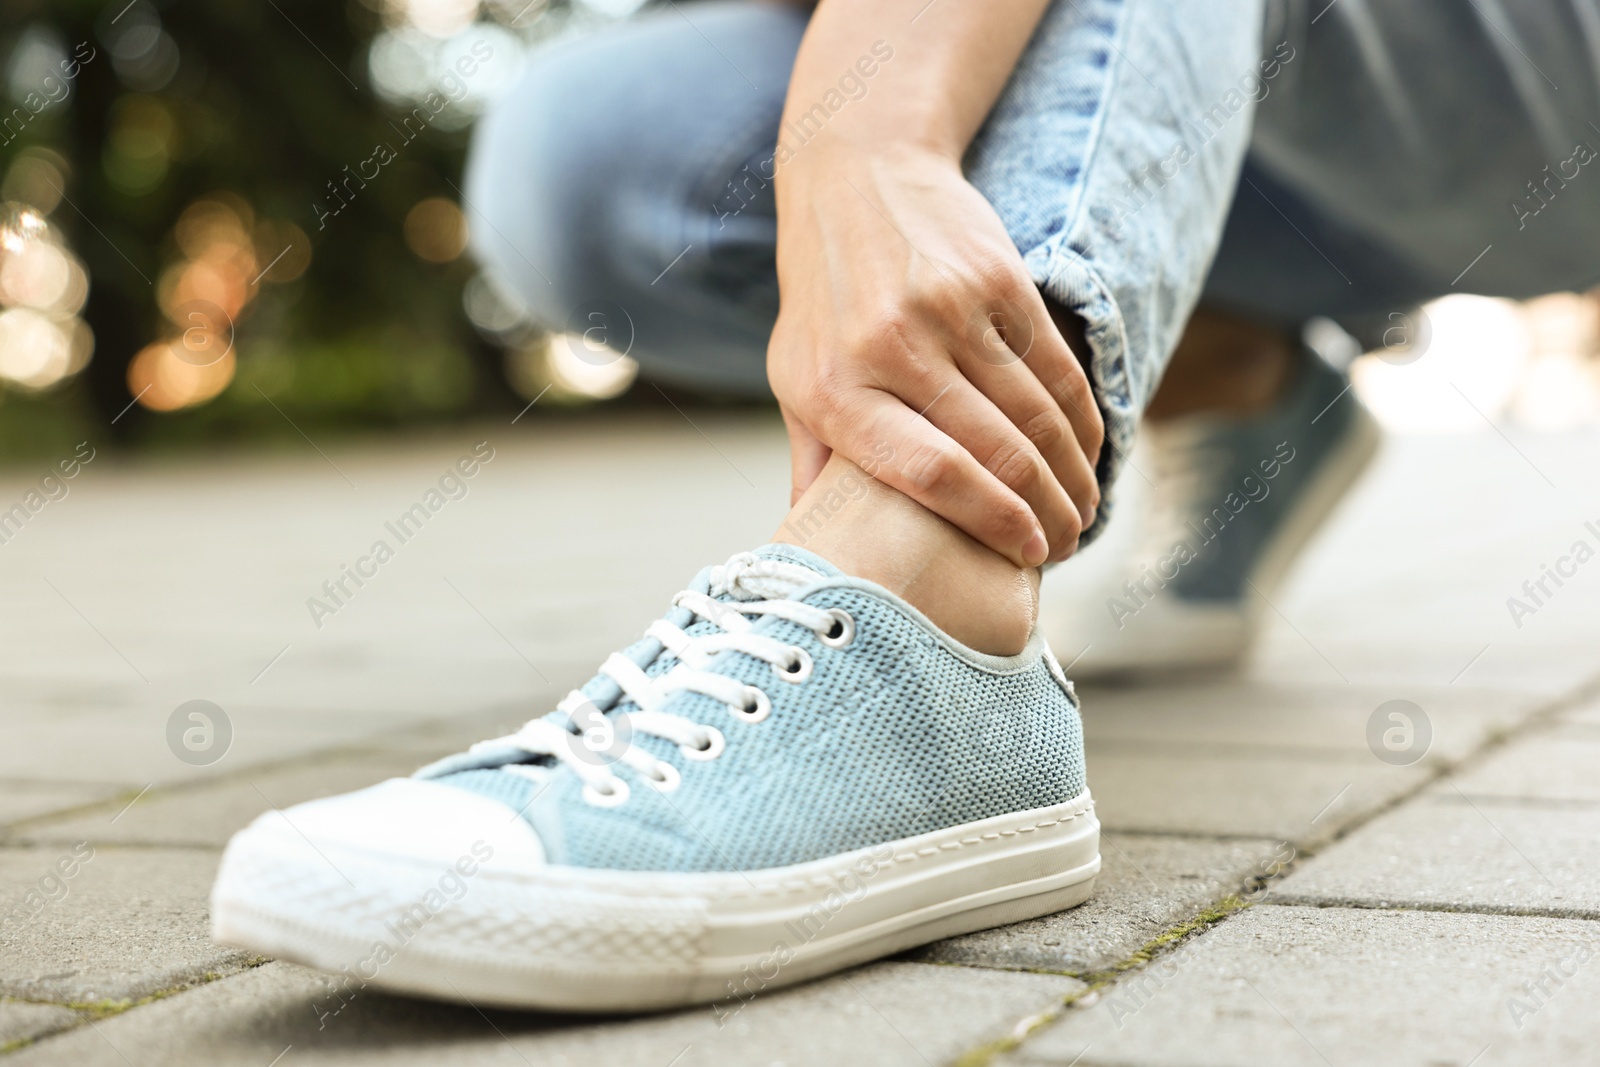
<point>1072,528</point>
<point>1012,521</point>
<point>1017,466</point>
<point>824,393</point>
<point>1048,430</point>
<point>888,333</point>
<point>994,274</point>
<point>931,469</point>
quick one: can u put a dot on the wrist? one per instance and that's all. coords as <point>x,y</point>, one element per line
<point>860,161</point>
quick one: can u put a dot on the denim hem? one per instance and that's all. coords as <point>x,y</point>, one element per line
<point>1065,277</point>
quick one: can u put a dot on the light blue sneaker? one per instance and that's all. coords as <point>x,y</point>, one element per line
<point>1232,504</point>
<point>794,771</point>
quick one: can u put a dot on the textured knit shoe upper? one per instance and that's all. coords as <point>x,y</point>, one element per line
<point>1225,486</point>
<point>1230,504</point>
<point>811,714</point>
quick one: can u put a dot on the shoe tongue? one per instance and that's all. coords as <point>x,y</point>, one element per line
<point>771,572</point>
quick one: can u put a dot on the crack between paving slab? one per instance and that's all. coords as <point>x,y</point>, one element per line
<point>1259,885</point>
<point>93,1011</point>
<point>1528,803</point>
<point>1094,981</point>
<point>1294,900</point>
<point>12,830</point>
<point>318,758</point>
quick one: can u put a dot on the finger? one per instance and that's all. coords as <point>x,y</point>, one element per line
<point>807,455</point>
<point>1028,328</point>
<point>924,463</point>
<point>975,422</point>
<point>1023,399</point>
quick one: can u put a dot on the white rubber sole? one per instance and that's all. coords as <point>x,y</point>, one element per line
<point>575,939</point>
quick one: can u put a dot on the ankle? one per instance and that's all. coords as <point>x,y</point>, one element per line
<point>1224,365</point>
<point>869,530</point>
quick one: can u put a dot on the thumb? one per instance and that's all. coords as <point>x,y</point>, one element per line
<point>807,455</point>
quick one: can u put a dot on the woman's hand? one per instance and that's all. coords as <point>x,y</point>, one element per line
<point>911,339</point>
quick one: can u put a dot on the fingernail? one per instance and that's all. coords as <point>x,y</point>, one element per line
<point>1037,550</point>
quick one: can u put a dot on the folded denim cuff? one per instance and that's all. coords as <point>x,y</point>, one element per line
<point>1065,277</point>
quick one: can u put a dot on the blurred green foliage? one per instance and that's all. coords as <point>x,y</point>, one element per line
<point>270,100</point>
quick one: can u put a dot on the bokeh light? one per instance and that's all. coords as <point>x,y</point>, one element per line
<point>436,18</point>
<point>283,249</point>
<point>163,380</point>
<point>467,69</point>
<point>552,362</point>
<point>436,230</point>
<point>37,178</point>
<point>144,55</point>
<point>42,289</point>
<point>1532,362</point>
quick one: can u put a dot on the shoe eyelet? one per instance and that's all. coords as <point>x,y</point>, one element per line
<point>757,706</point>
<point>615,796</point>
<point>799,668</point>
<point>665,778</point>
<point>843,630</point>
<point>714,744</point>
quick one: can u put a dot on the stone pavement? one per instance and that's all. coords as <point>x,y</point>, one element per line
<point>1274,891</point>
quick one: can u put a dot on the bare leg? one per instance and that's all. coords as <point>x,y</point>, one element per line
<point>1225,365</point>
<point>870,530</point>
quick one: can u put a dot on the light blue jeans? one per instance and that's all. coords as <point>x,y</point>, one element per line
<point>1276,158</point>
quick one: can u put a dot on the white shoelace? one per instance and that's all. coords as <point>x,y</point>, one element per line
<point>760,587</point>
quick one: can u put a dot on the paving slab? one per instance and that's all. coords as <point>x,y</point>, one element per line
<point>889,1014</point>
<point>21,1021</point>
<point>1559,764</point>
<point>1587,714</point>
<point>1236,791</point>
<point>128,746</point>
<point>1147,885</point>
<point>1465,854</point>
<point>467,614</point>
<point>207,815</point>
<point>1310,987</point>
<point>1327,718</point>
<point>88,924</point>
<point>28,799</point>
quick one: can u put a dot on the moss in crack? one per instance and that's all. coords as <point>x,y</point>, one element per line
<point>1095,981</point>
<point>96,1010</point>
<point>1167,938</point>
